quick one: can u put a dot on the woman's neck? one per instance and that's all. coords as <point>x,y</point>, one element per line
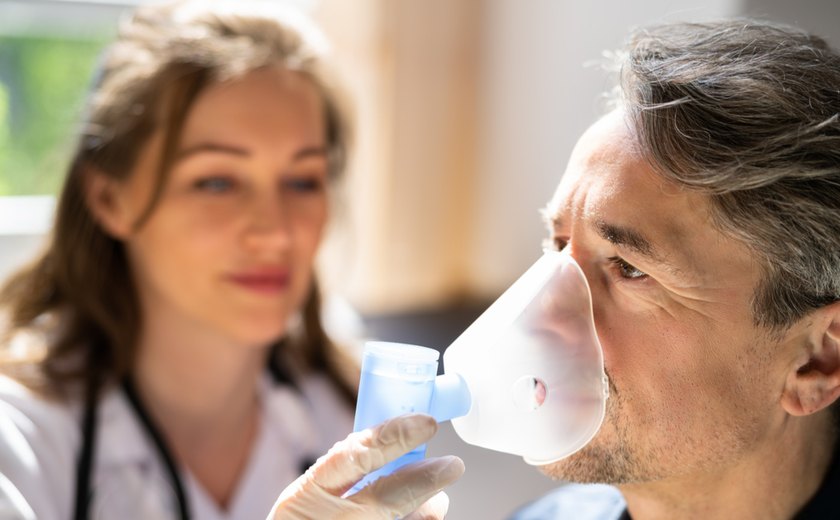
<point>202,392</point>
<point>190,387</point>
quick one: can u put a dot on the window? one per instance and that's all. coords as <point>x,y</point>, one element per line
<point>43,81</point>
<point>48,51</point>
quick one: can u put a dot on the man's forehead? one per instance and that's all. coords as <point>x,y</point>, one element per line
<point>627,191</point>
<point>608,159</point>
<point>610,189</point>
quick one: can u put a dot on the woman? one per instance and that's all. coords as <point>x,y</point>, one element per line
<point>181,367</point>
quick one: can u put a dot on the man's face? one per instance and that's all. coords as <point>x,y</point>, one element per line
<point>694,383</point>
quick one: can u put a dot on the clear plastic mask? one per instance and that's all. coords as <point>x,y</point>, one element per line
<point>533,366</point>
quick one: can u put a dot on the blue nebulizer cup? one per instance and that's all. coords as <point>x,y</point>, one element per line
<point>526,378</point>
<point>397,379</point>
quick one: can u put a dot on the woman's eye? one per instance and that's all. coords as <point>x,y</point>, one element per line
<point>303,184</point>
<point>214,184</point>
<point>626,270</point>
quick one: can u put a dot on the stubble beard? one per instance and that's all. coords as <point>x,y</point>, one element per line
<point>616,457</point>
<point>608,458</point>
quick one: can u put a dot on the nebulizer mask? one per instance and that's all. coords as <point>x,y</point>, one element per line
<point>526,378</point>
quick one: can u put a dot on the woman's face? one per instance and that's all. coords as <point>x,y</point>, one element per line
<point>230,246</point>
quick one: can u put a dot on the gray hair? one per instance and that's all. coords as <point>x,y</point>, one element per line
<point>747,112</point>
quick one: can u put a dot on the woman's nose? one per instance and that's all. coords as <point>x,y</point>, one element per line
<point>269,225</point>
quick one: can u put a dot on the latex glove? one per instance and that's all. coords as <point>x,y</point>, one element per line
<point>413,488</point>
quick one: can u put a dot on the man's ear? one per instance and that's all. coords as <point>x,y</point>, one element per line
<point>105,198</point>
<point>813,383</point>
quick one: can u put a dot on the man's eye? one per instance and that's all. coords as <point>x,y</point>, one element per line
<point>626,270</point>
<point>214,184</point>
<point>559,243</point>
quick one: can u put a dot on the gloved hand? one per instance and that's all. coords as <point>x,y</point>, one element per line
<point>413,488</point>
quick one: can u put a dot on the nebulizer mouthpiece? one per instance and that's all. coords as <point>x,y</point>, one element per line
<point>526,378</point>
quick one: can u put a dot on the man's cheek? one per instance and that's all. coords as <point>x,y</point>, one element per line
<point>629,349</point>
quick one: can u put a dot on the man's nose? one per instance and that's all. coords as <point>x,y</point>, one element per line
<point>595,279</point>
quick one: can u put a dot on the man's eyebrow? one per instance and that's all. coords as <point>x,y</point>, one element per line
<point>622,236</point>
<point>635,241</point>
<point>627,237</point>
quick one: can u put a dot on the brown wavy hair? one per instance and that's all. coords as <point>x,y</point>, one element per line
<point>78,297</point>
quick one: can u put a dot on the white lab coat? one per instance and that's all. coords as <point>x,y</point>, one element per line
<point>40,442</point>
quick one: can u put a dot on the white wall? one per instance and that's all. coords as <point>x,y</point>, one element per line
<point>23,222</point>
<point>15,250</point>
<point>821,17</point>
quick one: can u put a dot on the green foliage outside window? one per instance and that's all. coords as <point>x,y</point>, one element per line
<point>43,82</point>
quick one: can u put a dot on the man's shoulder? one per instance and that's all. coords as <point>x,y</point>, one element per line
<point>578,501</point>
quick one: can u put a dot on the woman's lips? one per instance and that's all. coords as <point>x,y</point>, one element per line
<point>269,281</point>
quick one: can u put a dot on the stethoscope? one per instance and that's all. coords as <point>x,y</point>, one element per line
<point>84,466</point>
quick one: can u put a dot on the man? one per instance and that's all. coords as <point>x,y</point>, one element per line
<point>705,212</point>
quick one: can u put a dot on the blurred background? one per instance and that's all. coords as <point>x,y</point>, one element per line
<point>466,112</point>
